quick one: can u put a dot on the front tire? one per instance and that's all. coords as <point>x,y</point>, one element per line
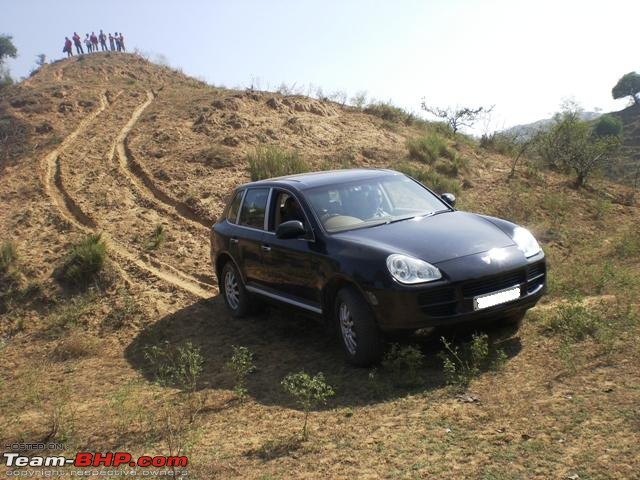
<point>232,289</point>
<point>359,334</point>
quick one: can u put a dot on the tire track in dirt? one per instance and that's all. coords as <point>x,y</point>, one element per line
<point>142,181</point>
<point>69,210</point>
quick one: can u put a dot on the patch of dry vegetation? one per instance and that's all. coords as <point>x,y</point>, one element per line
<point>138,364</point>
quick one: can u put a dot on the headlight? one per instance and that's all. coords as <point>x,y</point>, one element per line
<point>410,270</point>
<point>525,241</point>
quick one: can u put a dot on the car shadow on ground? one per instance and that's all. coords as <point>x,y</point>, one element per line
<point>282,342</point>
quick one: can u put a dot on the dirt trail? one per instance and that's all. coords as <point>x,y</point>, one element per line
<point>142,181</point>
<point>52,180</point>
<point>70,210</point>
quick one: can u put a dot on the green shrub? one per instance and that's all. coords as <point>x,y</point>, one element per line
<point>241,365</point>
<point>180,366</point>
<point>499,143</point>
<point>308,392</point>
<point>85,260</point>
<point>391,113</point>
<point>429,178</point>
<point>428,148</point>
<point>157,239</point>
<point>629,244</point>
<point>8,256</point>
<point>463,363</point>
<point>404,363</point>
<point>573,322</point>
<point>269,162</point>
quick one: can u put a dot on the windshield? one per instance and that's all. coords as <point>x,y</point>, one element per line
<point>372,202</point>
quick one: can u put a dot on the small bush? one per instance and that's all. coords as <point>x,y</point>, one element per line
<point>463,363</point>
<point>573,322</point>
<point>391,113</point>
<point>628,245</point>
<point>499,143</point>
<point>180,366</point>
<point>157,239</point>
<point>269,162</point>
<point>404,363</point>
<point>308,392</point>
<point>429,178</point>
<point>428,148</point>
<point>241,365</point>
<point>8,256</point>
<point>85,260</point>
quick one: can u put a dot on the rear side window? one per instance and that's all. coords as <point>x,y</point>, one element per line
<point>232,214</point>
<point>254,207</point>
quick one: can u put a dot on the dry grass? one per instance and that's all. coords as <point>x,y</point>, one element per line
<point>565,403</point>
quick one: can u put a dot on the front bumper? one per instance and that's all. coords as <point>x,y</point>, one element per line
<point>450,300</point>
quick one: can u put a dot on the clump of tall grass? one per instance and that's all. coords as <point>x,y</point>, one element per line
<point>429,178</point>
<point>428,148</point>
<point>85,260</point>
<point>269,162</point>
<point>388,112</point>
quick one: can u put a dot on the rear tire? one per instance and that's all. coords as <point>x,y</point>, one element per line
<point>232,289</point>
<point>359,334</point>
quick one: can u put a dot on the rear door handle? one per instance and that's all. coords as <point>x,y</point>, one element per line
<point>233,240</point>
<point>266,248</point>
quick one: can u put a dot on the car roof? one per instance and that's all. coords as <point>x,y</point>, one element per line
<point>303,181</point>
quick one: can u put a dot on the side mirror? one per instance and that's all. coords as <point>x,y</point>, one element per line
<point>449,198</point>
<point>290,229</point>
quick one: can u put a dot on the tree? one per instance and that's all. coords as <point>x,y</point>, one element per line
<point>628,85</point>
<point>41,60</point>
<point>457,117</point>
<point>579,145</point>
<point>7,49</point>
<point>608,125</point>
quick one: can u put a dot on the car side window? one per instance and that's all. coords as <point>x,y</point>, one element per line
<point>232,214</point>
<point>254,207</point>
<point>285,207</point>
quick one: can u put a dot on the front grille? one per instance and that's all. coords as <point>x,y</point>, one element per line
<point>536,275</point>
<point>534,271</point>
<point>438,302</point>
<point>493,284</point>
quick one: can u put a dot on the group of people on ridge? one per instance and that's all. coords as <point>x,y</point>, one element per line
<point>116,42</point>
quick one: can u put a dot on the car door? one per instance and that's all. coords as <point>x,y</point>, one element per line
<point>249,234</point>
<point>290,262</point>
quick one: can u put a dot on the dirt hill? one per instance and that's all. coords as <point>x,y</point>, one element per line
<point>115,145</point>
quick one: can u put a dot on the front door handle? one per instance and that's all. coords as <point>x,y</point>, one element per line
<point>233,240</point>
<point>266,248</point>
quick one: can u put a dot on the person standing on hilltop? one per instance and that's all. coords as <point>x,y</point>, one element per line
<point>87,43</point>
<point>67,47</point>
<point>78,43</point>
<point>94,41</point>
<point>117,39</point>
<point>103,41</point>
<point>112,44</point>
<point>121,39</point>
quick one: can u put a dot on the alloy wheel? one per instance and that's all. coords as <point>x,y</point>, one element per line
<point>346,327</point>
<point>232,289</point>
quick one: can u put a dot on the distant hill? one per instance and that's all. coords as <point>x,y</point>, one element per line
<point>527,130</point>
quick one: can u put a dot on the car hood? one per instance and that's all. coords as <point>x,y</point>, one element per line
<point>435,238</point>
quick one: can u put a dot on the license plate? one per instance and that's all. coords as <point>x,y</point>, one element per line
<point>496,298</point>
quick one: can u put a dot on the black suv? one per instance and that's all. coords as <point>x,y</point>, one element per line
<point>372,251</point>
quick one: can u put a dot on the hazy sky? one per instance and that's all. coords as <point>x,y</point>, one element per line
<point>524,57</point>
